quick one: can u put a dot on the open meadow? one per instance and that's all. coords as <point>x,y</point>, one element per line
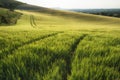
<point>60,46</point>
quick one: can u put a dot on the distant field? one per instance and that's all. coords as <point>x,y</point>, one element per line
<point>63,46</point>
<point>104,12</point>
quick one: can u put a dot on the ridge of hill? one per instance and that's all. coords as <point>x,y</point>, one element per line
<point>65,13</point>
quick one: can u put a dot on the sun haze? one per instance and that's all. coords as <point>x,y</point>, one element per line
<point>79,4</point>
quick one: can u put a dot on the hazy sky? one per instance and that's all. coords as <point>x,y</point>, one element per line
<point>75,3</point>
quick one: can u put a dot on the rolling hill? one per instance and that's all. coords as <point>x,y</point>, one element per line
<point>48,44</point>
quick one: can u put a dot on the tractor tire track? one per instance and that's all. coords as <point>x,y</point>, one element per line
<point>11,50</point>
<point>69,59</point>
<point>32,21</point>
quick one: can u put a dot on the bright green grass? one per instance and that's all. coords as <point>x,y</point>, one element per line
<point>64,46</point>
<point>97,58</point>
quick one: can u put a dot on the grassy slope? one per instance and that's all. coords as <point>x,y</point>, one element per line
<point>59,46</point>
<point>68,20</point>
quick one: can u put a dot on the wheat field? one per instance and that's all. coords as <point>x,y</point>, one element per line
<point>60,46</point>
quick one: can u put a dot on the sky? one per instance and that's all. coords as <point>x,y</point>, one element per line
<point>75,4</point>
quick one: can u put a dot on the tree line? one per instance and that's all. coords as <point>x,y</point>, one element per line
<point>10,4</point>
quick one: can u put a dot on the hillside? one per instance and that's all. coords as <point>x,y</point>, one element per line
<point>48,44</point>
<point>69,14</point>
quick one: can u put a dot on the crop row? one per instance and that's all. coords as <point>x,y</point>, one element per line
<point>46,59</point>
<point>10,41</point>
<point>97,58</point>
<point>32,21</point>
<point>72,55</point>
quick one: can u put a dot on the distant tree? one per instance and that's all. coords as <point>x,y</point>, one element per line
<point>9,4</point>
<point>0,4</point>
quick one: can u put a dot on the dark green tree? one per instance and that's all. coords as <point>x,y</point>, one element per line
<point>10,4</point>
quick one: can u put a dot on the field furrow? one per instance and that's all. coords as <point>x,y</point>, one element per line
<point>93,57</point>
<point>48,51</point>
<point>72,53</point>
<point>11,50</point>
<point>32,21</point>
